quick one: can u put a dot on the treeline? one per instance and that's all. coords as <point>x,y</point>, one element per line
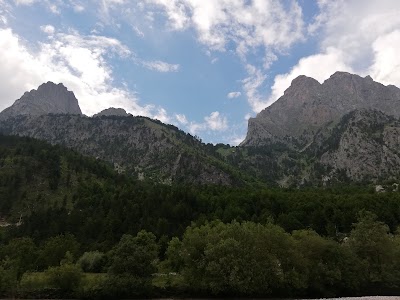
<point>112,208</point>
<point>75,228</point>
<point>215,259</point>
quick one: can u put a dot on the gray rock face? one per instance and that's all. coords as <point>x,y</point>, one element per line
<point>143,147</point>
<point>364,146</point>
<point>307,105</point>
<point>113,112</point>
<point>49,98</point>
<point>347,128</point>
<point>140,146</point>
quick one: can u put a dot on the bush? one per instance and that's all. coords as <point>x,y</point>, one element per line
<point>8,281</point>
<point>66,277</point>
<point>92,262</point>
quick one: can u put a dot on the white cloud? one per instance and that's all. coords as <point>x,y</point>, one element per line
<point>3,20</point>
<point>319,66</point>
<point>214,60</point>
<point>386,64</point>
<point>248,24</point>
<point>77,6</point>
<point>49,29</point>
<point>181,119</point>
<point>162,116</point>
<point>138,31</point>
<point>362,37</point>
<point>266,25</point>
<point>247,117</point>
<point>263,26</point>
<point>214,122</point>
<point>24,2</point>
<point>161,66</point>
<point>233,95</point>
<point>77,61</point>
<point>54,6</point>
<point>251,86</point>
<point>4,12</point>
<point>236,140</point>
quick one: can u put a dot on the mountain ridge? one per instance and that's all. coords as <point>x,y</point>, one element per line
<point>311,135</point>
<point>308,105</point>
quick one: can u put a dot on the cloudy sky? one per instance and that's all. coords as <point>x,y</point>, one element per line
<point>205,66</point>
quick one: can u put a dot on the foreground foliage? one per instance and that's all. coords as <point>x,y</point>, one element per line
<point>78,229</point>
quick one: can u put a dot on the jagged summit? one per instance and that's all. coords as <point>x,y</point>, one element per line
<point>307,105</point>
<point>112,111</point>
<point>49,98</point>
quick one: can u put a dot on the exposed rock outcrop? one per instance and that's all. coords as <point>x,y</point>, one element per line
<point>49,98</point>
<point>307,106</point>
<point>113,112</point>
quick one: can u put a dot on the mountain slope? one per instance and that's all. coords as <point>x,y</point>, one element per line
<point>344,129</point>
<point>37,176</point>
<point>364,145</point>
<point>307,105</point>
<point>146,148</point>
<point>142,147</point>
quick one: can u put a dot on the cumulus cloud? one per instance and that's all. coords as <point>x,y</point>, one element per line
<point>386,64</point>
<point>233,95</point>
<point>248,24</point>
<point>75,60</point>
<point>49,29</point>
<point>319,66</point>
<point>214,122</point>
<point>161,66</point>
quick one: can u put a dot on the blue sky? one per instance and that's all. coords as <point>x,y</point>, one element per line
<point>205,66</point>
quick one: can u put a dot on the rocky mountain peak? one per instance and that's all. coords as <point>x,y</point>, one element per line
<point>307,106</point>
<point>49,98</point>
<point>303,81</point>
<point>113,112</point>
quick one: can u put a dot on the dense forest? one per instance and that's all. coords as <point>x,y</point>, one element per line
<point>70,226</point>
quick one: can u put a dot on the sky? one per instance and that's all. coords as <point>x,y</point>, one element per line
<point>205,66</point>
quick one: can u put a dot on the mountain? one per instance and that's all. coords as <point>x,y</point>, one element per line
<point>345,129</point>
<point>364,146</point>
<point>145,148</point>
<point>342,130</point>
<point>49,98</point>
<point>36,176</point>
<point>307,106</point>
<point>139,146</point>
<point>112,112</point>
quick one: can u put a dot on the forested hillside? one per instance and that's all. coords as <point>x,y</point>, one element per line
<point>73,227</point>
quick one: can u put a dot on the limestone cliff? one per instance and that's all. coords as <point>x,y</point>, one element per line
<point>49,98</point>
<point>307,106</point>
